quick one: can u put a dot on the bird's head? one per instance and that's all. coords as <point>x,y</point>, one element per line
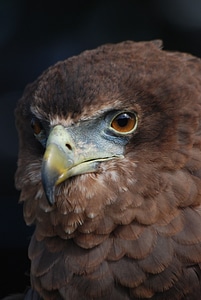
<point>102,128</point>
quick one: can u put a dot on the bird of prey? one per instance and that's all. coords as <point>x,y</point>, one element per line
<point>109,170</point>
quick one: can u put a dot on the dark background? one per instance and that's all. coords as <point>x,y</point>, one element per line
<point>35,35</point>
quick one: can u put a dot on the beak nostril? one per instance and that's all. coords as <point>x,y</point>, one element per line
<point>69,146</point>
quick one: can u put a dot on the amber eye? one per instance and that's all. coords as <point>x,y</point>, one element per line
<point>36,126</point>
<point>124,122</point>
<point>39,131</point>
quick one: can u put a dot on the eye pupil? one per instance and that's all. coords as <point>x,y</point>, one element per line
<point>124,122</point>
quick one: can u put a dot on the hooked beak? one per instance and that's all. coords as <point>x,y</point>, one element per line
<point>65,158</point>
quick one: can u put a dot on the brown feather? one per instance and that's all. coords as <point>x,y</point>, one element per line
<point>131,230</point>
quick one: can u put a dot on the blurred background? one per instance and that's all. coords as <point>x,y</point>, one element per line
<point>37,34</point>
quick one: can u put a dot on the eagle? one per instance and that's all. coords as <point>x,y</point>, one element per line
<point>109,169</point>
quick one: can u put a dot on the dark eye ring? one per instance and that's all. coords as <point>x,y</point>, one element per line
<point>124,122</point>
